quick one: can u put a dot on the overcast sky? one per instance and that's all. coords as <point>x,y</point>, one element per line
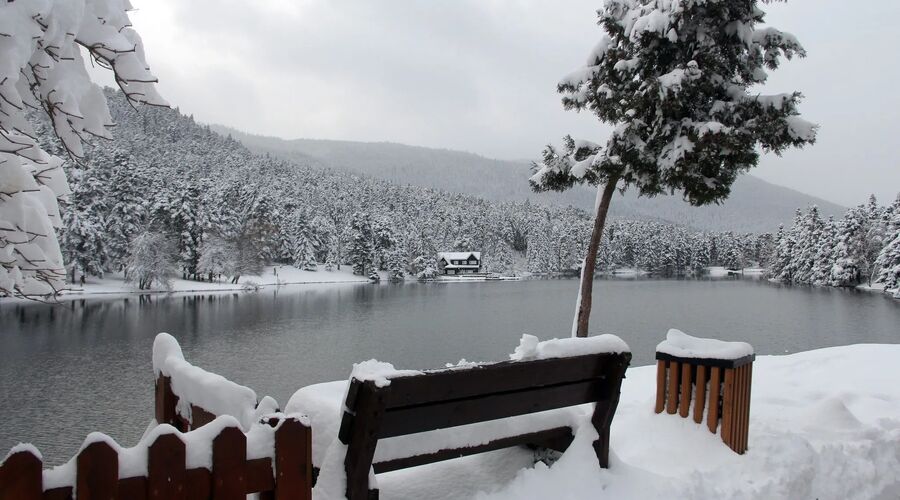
<point>480,76</point>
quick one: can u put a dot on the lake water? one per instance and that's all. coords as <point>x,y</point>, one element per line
<point>67,370</point>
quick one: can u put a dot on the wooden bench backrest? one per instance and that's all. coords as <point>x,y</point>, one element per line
<point>454,397</point>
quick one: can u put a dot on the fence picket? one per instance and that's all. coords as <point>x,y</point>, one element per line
<point>20,477</point>
<point>166,471</point>
<point>97,475</point>
<point>229,465</point>
<point>293,467</point>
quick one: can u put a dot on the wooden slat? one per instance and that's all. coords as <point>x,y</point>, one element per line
<point>20,477</point>
<point>738,407</point>
<point>534,438</point>
<point>684,405</point>
<point>260,475</point>
<point>132,488</point>
<point>409,420</point>
<point>749,397</point>
<point>359,431</point>
<point>97,474</point>
<point>293,461</point>
<point>229,473</point>
<point>672,402</point>
<point>700,394</point>
<point>167,476</point>
<point>199,483</point>
<point>497,378</point>
<point>712,409</point>
<point>660,386</point>
<point>742,439</point>
<point>728,407</point>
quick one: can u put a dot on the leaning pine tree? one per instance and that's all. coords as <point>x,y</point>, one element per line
<point>674,78</point>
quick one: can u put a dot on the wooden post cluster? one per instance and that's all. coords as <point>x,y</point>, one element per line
<point>232,476</point>
<point>720,387</point>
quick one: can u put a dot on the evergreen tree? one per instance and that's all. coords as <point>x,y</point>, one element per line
<point>850,252</point>
<point>675,83</point>
<point>83,238</point>
<point>127,190</point>
<point>888,261</point>
<point>824,257</point>
<point>361,247</point>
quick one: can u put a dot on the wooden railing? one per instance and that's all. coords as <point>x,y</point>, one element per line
<point>96,471</point>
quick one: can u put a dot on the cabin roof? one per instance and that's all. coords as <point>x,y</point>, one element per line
<point>448,256</point>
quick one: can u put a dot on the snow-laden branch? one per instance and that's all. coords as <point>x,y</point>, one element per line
<point>41,67</point>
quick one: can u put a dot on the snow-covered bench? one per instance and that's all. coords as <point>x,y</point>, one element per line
<point>392,419</point>
<point>686,365</point>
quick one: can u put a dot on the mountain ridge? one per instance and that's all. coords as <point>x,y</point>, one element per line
<point>754,206</point>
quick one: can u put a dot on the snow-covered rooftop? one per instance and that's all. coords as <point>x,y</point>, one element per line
<point>458,255</point>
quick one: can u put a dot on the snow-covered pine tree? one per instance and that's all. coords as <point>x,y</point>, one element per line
<point>850,252</point>
<point>42,69</point>
<point>824,256</point>
<point>361,247</point>
<point>788,250</point>
<point>673,77</point>
<point>84,224</point>
<point>127,193</point>
<point>888,262</point>
<point>807,245</point>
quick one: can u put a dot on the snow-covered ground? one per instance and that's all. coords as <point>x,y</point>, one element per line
<point>824,424</point>
<point>114,283</point>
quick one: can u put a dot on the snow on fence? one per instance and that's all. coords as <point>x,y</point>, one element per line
<point>686,365</point>
<point>217,462</point>
<point>188,397</point>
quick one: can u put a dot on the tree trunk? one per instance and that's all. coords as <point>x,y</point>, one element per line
<point>582,317</point>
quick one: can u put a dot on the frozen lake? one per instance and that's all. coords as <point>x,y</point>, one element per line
<point>70,369</point>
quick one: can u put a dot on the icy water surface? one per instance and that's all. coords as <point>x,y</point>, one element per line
<point>70,369</point>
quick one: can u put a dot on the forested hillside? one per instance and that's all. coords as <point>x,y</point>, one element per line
<point>754,205</point>
<point>169,196</point>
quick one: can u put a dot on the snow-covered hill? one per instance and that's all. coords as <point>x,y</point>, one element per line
<point>754,205</point>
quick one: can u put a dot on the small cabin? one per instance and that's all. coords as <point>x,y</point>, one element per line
<point>453,263</point>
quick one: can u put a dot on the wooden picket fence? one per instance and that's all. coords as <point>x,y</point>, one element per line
<point>231,477</point>
<point>721,388</point>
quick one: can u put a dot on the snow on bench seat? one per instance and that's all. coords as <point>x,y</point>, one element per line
<point>681,345</point>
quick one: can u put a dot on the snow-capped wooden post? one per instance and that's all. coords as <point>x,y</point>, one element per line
<point>20,475</point>
<point>682,366</point>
